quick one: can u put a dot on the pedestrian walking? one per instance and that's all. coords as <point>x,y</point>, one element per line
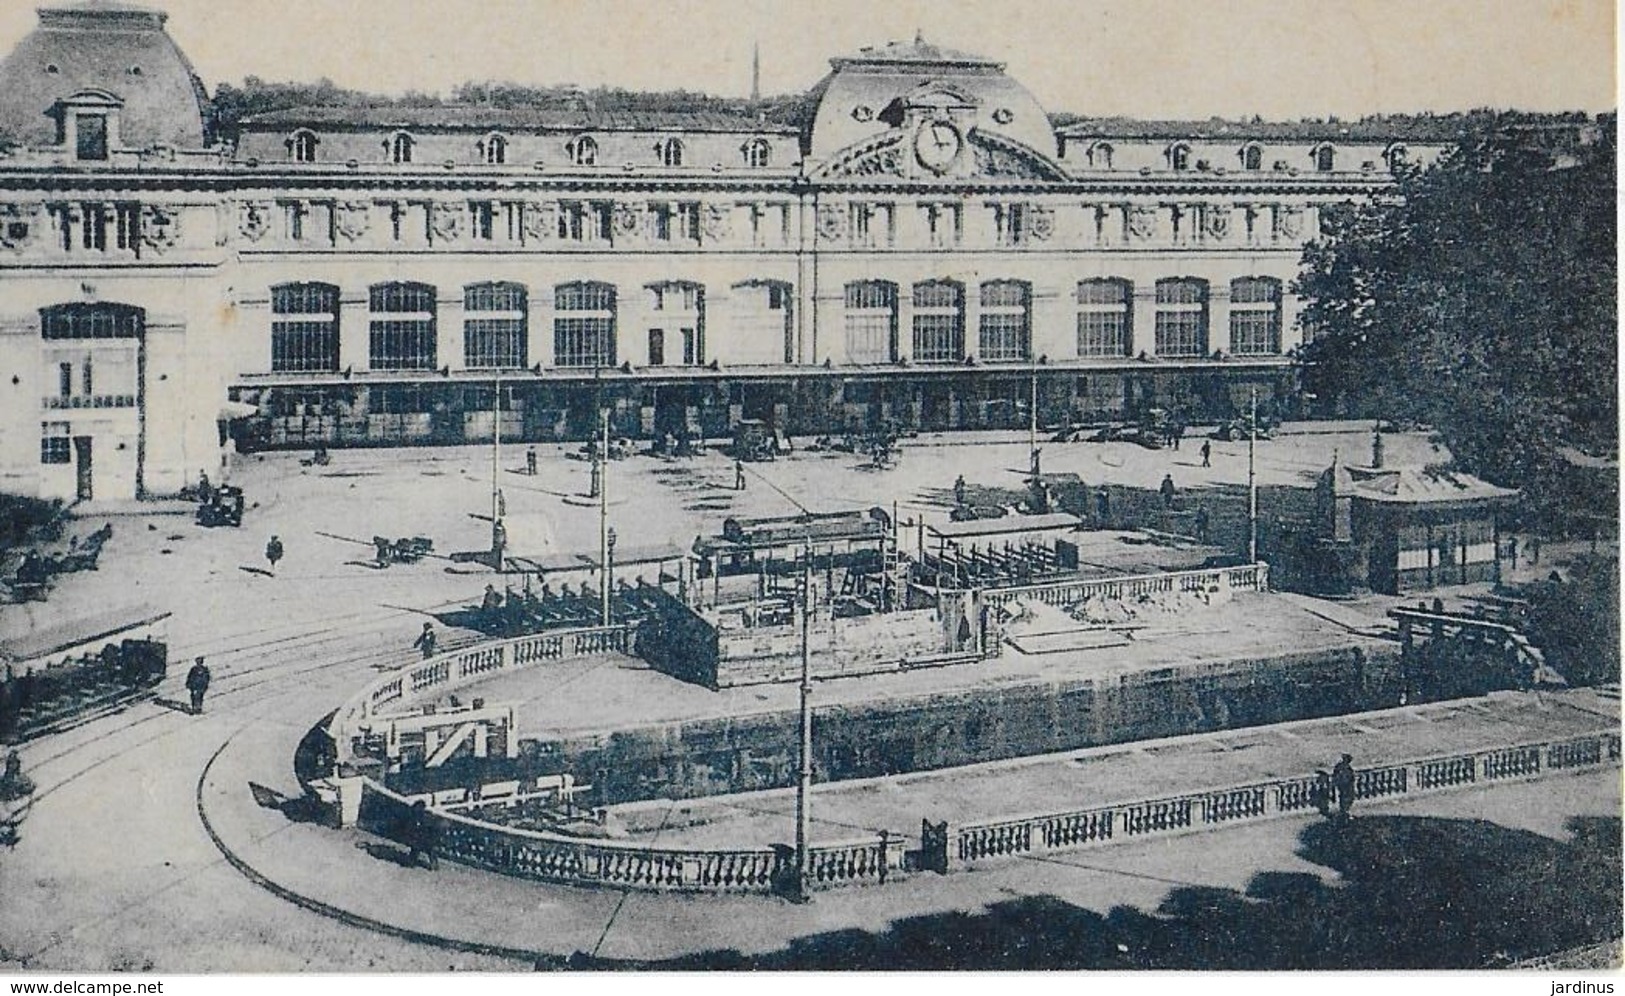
<point>1534,550</point>
<point>739,476</point>
<point>1168,491</point>
<point>197,683</point>
<point>959,490</point>
<point>425,641</point>
<point>1179,433</point>
<point>1103,504</point>
<point>273,552</point>
<point>1512,551</point>
<point>1207,453</point>
<point>530,461</point>
<point>1343,785</point>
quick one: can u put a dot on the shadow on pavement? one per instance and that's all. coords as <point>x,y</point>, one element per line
<point>1415,893</point>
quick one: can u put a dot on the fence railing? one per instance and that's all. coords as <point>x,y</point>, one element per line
<point>1249,577</point>
<point>1015,836</point>
<point>450,670</point>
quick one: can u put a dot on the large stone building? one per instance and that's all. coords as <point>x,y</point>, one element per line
<point>920,245</point>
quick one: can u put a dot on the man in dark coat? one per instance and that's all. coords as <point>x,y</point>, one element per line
<point>1343,784</point>
<point>425,641</point>
<point>197,682</point>
<point>273,552</point>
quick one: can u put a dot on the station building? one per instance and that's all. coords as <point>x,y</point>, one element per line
<point>919,245</point>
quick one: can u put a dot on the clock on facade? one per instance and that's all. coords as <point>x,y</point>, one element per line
<point>937,144</point>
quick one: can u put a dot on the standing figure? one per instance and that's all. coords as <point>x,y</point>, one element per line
<point>273,552</point>
<point>421,837</point>
<point>1343,784</point>
<point>1103,504</point>
<point>1207,453</point>
<point>205,490</point>
<point>197,683</point>
<point>530,461</point>
<point>959,490</point>
<point>1201,525</point>
<point>425,641</point>
<point>739,476</point>
<point>1168,491</point>
<point>1512,551</point>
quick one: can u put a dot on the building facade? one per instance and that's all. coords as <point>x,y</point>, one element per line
<point>920,246</point>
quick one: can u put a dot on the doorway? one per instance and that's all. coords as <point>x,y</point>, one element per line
<point>81,457</point>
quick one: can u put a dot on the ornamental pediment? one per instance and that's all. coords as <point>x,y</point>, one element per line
<point>938,149</point>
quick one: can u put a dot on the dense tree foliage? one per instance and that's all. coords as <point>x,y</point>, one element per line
<point>1478,297</point>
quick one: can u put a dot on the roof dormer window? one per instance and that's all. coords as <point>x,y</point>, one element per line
<point>757,153</point>
<point>400,146</point>
<point>1397,157</point>
<point>1252,157</point>
<point>90,132</point>
<point>1325,157</point>
<point>670,152</point>
<point>493,149</point>
<point>302,146</point>
<point>87,123</point>
<point>1179,156</point>
<point>1100,155</point>
<point>582,150</point>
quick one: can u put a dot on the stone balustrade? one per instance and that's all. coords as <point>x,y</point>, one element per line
<point>1251,577</point>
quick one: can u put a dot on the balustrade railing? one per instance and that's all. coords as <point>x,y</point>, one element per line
<point>1446,771</point>
<point>1251,577</point>
<point>1513,762</point>
<point>1374,783</point>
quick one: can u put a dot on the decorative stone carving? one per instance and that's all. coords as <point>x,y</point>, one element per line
<point>446,221</point>
<point>1002,161</point>
<point>1004,115</point>
<point>1142,222</point>
<point>160,226</point>
<point>1040,222</point>
<point>541,220</point>
<point>351,219</point>
<point>627,219</point>
<point>19,225</point>
<point>1289,221</point>
<point>254,221</point>
<point>716,222</point>
<point>1216,222</point>
<point>831,222</point>
<point>876,160</point>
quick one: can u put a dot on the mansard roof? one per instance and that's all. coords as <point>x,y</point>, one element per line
<point>466,117</point>
<point>119,48</point>
<point>1422,128</point>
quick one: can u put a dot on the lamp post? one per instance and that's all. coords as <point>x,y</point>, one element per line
<point>1252,477</point>
<point>605,534</point>
<point>801,892</point>
<point>499,533</point>
<point>1032,420</point>
<point>609,571</point>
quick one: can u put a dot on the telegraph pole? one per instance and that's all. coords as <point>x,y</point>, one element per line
<point>603,512</point>
<point>1032,422</point>
<point>801,892</point>
<point>1252,477</point>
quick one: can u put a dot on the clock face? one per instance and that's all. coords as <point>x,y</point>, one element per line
<point>937,145</point>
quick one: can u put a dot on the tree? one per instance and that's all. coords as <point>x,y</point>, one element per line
<point>1478,296</point>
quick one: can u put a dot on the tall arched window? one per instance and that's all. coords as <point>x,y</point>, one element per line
<point>939,322</point>
<point>402,327</point>
<point>670,152</point>
<point>678,308</point>
<point>1325,156</point>
<point>1397,157</point>
<point>1105,313</point>
<point>757,153</point>
<point>584,324</point>
<point>304,328</point>
<point>493,149</point>
<point>871,321</point>
<point>495,326</point>
<point>1179,156</point>
<point>302,146</point>
<point>1252,156</point>
<point>582,150</point>
<point>1005,332</point>
<point>400,147</point>
<point>1182,317</point>
<point>1100,155</point>
<point>1255,316</point>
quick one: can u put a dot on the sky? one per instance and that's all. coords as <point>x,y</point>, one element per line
<point>1281,59</point>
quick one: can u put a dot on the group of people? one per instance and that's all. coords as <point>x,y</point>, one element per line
<point>1336,789</point>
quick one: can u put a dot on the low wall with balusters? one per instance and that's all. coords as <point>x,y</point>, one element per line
<point>1250,577</point>
<point>1015,836</point>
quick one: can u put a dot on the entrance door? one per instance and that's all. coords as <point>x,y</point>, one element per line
<point>81,454</point>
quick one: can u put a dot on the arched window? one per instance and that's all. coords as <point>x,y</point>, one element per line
<point>871,322</point>
<point>302,146</point>
<point>304,328</point>
<point>679,307</point>
<point>1397,157</point>
<point>1252,156</point>
<point>495,326</point>
<point>757,153</point>
<point>493,149</point>
<point>670,152</point>
<point>400,147</point>
<point>1179,156</point>
<point>584,324</point>
<point>100,320</point>
<point>1325,156</point>
<point>1105,313</point>
<point>402,327</point>
<point>582,150</point>
<point>1005,332</point>
<point>1182,317</point>
<point>1100,155</point>
<point>1255,316</point>
<point>939,321</point>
